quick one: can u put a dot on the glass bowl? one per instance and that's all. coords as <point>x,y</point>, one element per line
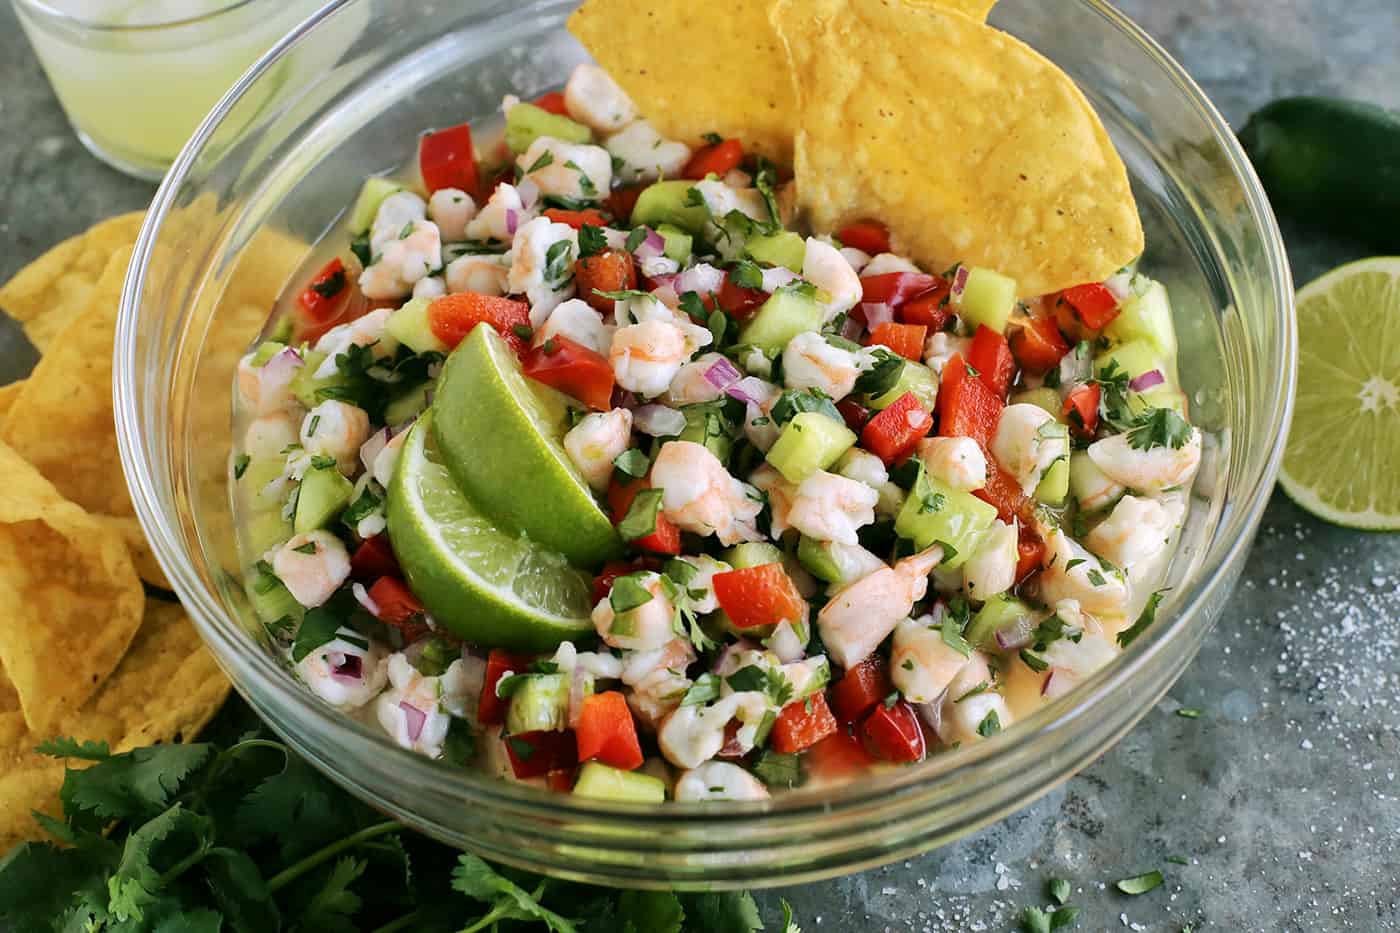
<point>279,158</point>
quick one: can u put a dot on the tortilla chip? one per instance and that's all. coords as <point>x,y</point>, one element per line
<point>165,689</point>
<point>62,420</point>
<point>972,9</point>
<point>142,558</point>
<point>70,600</point>
<point>49,292</point>
<point>968,144</point>
<point>8,394</point>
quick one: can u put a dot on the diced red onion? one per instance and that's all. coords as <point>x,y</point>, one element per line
<point>749,390</point>
<point>621,398</point>
<point>959,285</point>
<point>665,280</point>
<point>858,259</point>
<point>722,374</point>
<point>1120,284</point>
<point>414,718</point>
<point>348,667</point>
<point>616,239</point>
<point>653,245</point>
<point>702,278</point>
<point>529,193</point>
<point>777,277</point>
<point>654,267</point>
<point>738,178</point>
<point>1153,377</point>
<point>786,645</point>
<point>1075,370</point>
<point>932,713</point>
<point>851,328</point>
<point>512,220</point>
<point>1056,684</point>
<point>577,681</point>
<point>658,420</point>
<point>280,369</point>
<point>1011,637</point>
<point>362,597</point>
<point>666,294</point>
<point>372,448</point>
<point>876,313</point>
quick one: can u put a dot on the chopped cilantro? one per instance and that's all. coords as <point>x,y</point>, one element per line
<point>1159,427</point>
<point>778,770</point>
<point>1058,889</point>
<point>556,263</point>
<point>1148,616</point>
<point>796,401</point>
<point>640,519</point>
<point>632,462</point>
<point>628,593</point>
<point>990,724</point>
<point>591,241</point>
<point>1140,884</point>
<point>1187,712</point>
<point>883,375</point>
<point>694,308</point>
<point>704,690</point>
<point>545,160</point>
<point>240,465</point>
<point>636,238</point>
<point>746,274</point>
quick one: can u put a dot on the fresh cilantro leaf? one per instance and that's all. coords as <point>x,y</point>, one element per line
<point>1139,884</point>
<point>1148,616</point>
<point>990,724</point>
<point>632,462</point>
<point>778,770</point>
<point>640,519</point>
<point>694,308</point>
<point>1059,889</point>
<point>585,184</point>
<point>361,508</point>
<point>1034,661</point>
<point>718,323</point>
<point>883,375</point>
<point>201,920</point>
<point>766,680</point>
<point>1096,578</point>
<point>459,747</point>
<point>238,887</point>
<point>591,241</point>
<point>1159,427</point>
<point>159,845</point>
<point>333,907</point>
<point>1114,409</point>
<point>39,882</point>
<point>712,138</point>
<point>296,796</point>
<point>796,401</point>
<point>556,263</point>
<point>704,690</point>
<point>545,160</point>
<point>1063,917</point>
<point>626,294</point>
<point>360,247</point>
<point>64,747</point>
<point>628,592</point>
<point>135,785</point>
<point>746,274</point>
<point>765,180</point>
<point>789,925</point>
<point>955,620</point>
<point>651,911</point>
<point>307,548</point>
<point>725,912</point>
<point>1035,920</point>
<point>509,901</point>
<point>240,465</point>
<point>317,628</point>
<point>636,238</point>
<point>681,571</point>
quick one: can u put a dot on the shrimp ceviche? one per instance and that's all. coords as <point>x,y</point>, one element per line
<point>593,463</point>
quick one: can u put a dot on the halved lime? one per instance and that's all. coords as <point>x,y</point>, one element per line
<point>1344,447</point>
<point>486,585</point>
<point>501,435</point>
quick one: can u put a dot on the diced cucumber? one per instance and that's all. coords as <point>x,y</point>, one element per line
<point>787,313</point>
<point>372,194</point>
<point>816,556</point>
<point>752,554</point>
<point>257,478</point>
<point>988,298</point>
<point>935,513</point>
<point>1092,490</point>
<point>525,123</point>
<point>1135,358</point>
<point>1054,485</point>
<point>1043,398</point>
<point>809,442</point>
<point>705,425</point>
<point>307,386</point>
<point>1146,317</point>
<point>666,202</point>
<point>913,377</point>
<point>1000,613</point>
<point>541,704</point>
<point>324,495</point>
<point>266,351</point>
<point>817,673</point>
<point>598,781</point>
<point>409,326</point>
<point>783,248</point>
<point>270,599</point>
<point>404,408</point>
<point>679,244</point>
<point>281,331</point>
<point>266,530</point>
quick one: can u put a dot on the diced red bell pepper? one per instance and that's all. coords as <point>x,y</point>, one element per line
<point>896,430</point>
<point>1081,409</point>
<point>905,339</point>
<point>966,407</point>
<point>446,159</point>
<point>739,301</point>
<point>666,539</point>
<point>895,288</point>
<point>572,368</point>
<point>535,754</point>
<point>860,688</point>
<point>1039,346</point>
<point>869,236</point>
<point>612,270</point>
<point>854,412</point>
<point>374,558</point>
<point>930,309</point>
<point>324,296</point>
<point>1094,304</point>
<point>620,201</point>
<point>577,219</point>
<point>1030,553</point>
<point>838,755</point>
<point>395,601</point>
<point>893,733</point>
<point>802,724</point>
<point>606,732</point>
<point>991,357</point>
<point>560,780</point>
<point>553,102</point>
<point>717,159</point>
<point>491,709</point>
<point>762,595</point>
<point>1002,491</point>
<point>452,317</point>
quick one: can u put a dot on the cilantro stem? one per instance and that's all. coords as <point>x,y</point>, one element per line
<point>403,923</point>
<point>297,869</point>
<point>502,911</point>
<point>182,866</point>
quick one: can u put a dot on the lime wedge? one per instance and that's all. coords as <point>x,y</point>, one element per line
<point>1345,441</point>
<point>501,435</point>
<point>486,585</point>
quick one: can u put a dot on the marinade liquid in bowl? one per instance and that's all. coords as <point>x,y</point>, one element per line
<point>231,233</point>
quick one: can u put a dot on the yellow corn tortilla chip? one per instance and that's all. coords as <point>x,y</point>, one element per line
<point>62,421</point>
<point>972,9</point>
<point>165,689</point>
<point>728,73</point>
<point>142,558</point>
<point>8,394</point>
<point>968,144</point>
<point>70,600</point>
<point>49,292</point>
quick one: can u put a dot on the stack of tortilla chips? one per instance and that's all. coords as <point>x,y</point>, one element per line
<point>92,644</point>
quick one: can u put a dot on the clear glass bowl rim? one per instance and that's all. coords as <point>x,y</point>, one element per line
<point>55,16</point>
<point>1035,736</point>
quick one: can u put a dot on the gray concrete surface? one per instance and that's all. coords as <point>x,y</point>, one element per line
<point>1282,797</point>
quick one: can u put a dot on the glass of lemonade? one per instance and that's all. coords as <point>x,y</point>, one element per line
<point>137,76</point>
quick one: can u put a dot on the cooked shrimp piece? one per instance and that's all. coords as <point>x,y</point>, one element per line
<point>1070,571</point>
<point>689,385</point>
<point>266,389</point>
<point>863,467</point>
<point>576,320</point>
<point>955,461</point>
<point>596,441</point>
<point>719,780</point>
<point>403,262</point>
<point>644,154</point>
<point>576,171</point>
<point>825,267</point>
<point>397,213</point>
<point>992,567</point>
<point>1136,530</point>
<point>484,274</point>
<point>1071,663</point>
<point>758,413</point>
<point>451,209</point>
<point>922,664</point>
<point>416,710</point>
<point>692,735</point>
<point>809,362</point>
<point>1152,471</point>
<point>501,217</point>
<point>859,616</point>
<point>383,467</point>
<point>657,678</point>
<point>541,269</point>
<point>858,259</point>
<point>967,720</point>
<point>594,99</point>
<point>270,435</point>
<point>884,263</point>
<point>646,357</point>
<point>1028,441</point>
<point>336,429</point>
<point>347,671</point>
<point>641,628</point>
<point>780,496</point>
<point>312,566</point>
<point>829,507</point>
<point>434,286</point>
<point>699,494</point>
<point>940,347</point>
<point>1093,490</point>
<point>700,589</point>
<point>368,331</point>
